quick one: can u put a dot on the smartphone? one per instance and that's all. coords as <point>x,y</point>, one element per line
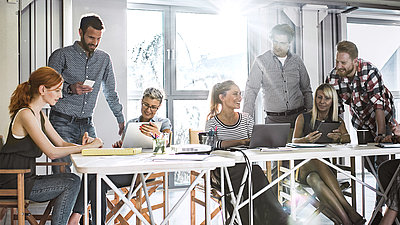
<point>89,83</point>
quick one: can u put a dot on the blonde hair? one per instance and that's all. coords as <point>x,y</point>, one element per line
<point>215,101</point>
<point>330,92</point>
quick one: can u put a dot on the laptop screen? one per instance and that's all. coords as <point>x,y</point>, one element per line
<point>270,135</point>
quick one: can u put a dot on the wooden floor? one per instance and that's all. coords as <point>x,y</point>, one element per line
<point>182,216</point>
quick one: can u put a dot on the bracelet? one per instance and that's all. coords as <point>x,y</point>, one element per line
<point>381,135</point>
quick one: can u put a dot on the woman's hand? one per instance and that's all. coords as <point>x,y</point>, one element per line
<point>96,143</point>
<point>396,130</point>
<point>86,139</point>
<point>313,136</point>
<point>335,135</point>
<point>117,144</point>
<point>148,129</point>
<point>245,141</point>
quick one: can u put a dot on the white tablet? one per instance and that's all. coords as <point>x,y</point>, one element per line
<point>134,138</point>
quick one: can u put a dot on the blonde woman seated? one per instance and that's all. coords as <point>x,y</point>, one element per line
<point>315,173</point>
<point>233,129</point>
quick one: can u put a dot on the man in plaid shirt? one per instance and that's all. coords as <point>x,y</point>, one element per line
<point>359,84</point>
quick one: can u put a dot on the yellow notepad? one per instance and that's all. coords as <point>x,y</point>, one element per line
<point>111,151</point>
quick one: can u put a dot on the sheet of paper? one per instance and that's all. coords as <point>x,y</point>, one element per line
<point>184,157</point>
<point>306,145</point>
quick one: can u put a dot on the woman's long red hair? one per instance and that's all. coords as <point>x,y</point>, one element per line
<point>25,92</point>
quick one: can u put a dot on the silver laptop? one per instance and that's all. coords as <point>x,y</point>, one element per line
<point>269,135</point>
<point>134,138</point>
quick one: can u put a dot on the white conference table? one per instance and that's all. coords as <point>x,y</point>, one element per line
<point>305,154</point>
<point>143,164</point>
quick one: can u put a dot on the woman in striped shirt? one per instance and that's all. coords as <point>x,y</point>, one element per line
<point>233,129</point>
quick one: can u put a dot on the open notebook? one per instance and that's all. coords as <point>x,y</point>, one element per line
<point>111,151</point>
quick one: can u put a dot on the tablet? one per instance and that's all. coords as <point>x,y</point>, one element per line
<point>325,128</point>
<point>134,138</point>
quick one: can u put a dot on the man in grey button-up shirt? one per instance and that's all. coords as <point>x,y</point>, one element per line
<point>283,78</point>
<point>80,62</point>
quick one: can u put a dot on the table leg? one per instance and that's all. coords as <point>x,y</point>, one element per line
<point>98,199</point>
<point>362,186</point>
<point>292,190</point>
<point>250,185</point>
<point>166,195</point>
<point>223,192</point>
<point>85,198</point>
<point>207,199</point>
<point>187,192</point>
<point>236,200</point>
<point>146,194</point>
<point>123,198</point>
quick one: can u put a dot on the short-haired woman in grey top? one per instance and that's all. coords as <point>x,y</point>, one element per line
<point>233,129</point>
<point>151,102</point>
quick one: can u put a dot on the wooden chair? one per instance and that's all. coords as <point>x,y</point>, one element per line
<point>14,199</point>
<point>215,196</point>
<point>20,203</point>
<point>194,136</point>
<point>19,206</point>
<point>153,183</point>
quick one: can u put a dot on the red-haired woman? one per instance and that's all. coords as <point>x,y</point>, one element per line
<point>31,134</point>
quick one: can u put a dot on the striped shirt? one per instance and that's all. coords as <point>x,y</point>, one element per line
<point>73,64</point>
<point>242,129</point>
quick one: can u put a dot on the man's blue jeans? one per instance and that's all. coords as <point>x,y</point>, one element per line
<point>72,132</point>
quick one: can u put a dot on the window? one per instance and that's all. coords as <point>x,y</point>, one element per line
<point>184,51</point>
<point>380,46</point>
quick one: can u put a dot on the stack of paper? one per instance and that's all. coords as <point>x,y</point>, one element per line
<point>111,151</point>
<point>305,145</point>
<point>191,148</point>
<point>388,145</point>
<point>181,157</point>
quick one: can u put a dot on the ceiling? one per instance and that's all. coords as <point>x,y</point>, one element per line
<point>381,4</point>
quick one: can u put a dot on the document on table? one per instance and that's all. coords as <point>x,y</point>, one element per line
<point>305,145</point>
<point>111,151</point>
<point>280,149</point>
<point>184,157</point>
<point>388,145</point>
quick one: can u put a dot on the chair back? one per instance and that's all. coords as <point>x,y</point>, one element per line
<point>1,142</point>
<point>194,136</point>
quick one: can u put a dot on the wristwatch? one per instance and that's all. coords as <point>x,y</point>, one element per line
<point>69,90</point>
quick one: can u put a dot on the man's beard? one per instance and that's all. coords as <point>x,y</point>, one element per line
<point>86,46</point>
<point>345,72</point>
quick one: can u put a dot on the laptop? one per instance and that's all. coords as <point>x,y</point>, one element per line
<point>269,135</point>
<point>134,138</point>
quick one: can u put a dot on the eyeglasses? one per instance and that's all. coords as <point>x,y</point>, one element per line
<point>151,107</point>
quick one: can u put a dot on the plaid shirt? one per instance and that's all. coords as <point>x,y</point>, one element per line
<point>365,93</point>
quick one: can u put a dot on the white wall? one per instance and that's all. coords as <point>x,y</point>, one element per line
<point>9,59</point>
<point>114,41</point>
